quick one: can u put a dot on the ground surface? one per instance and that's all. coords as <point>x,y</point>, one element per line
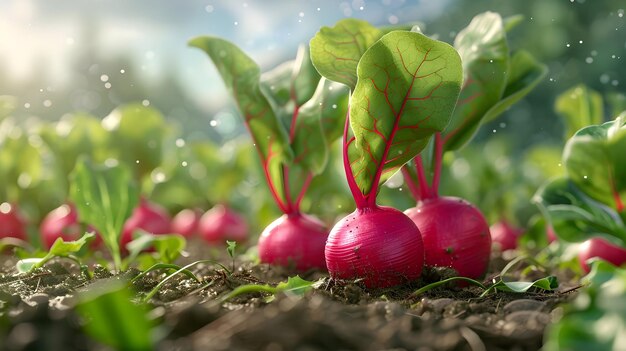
<point>37,312</point>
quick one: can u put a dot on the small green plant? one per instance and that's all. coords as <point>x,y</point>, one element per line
<point>294,286</point>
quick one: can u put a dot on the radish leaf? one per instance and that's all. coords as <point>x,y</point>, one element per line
<point>406,91</point>
<point>336,51</point>
<point>104,198</point>
<point>595,161</point>
<point>580,107</point>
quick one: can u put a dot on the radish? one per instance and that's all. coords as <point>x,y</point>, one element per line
<point>403,90</point>
<point>12,225</point>
<point>186,222</point>
<point>301,234</point>
<point>62,222</point>
<point>282,111</point>
<point>504,235</point>
<point>600,248</point>
<point>220,224</point>
<point>148,217</point>
<point>455,233</point>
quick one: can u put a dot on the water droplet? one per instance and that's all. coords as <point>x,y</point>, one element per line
<point>559,164</point>
<point>180,142</point>
<point>585,177</point>
<point>213,123</point>
<point>494,130</point>
<point>145,103</point>
<point>107,85</point>
<point>5,207</point>
<point>122,71</point>
<point>605,78</point>
<point>27,105</point>
<point>137,161</point>
<point>580,42</point>
<point>236,23</point>
<point>104,78</point>
<point>319,9</point>
<point>334,105</point>
<point>47,103</point>
<point>301,14</point>
<point>615,82</point>
<point>393,19</point>
<point>184,163</point>
<point>567,45</point>
<point>209,8</point>
<point>589,60</point>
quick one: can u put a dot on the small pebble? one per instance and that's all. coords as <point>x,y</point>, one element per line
<point>524,305</point>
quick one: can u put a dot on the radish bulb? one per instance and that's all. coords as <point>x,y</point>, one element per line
<point>296,240</point>
<point>220,224</point>
<point>186,222</point>
<point>381,245</point>
<point>12,225</point>
<point>455,235</point>
<point>505,236</point>
<point>148,217</point>
<point>600,248</point>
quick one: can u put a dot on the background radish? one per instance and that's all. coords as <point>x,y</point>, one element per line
<point>504,235</point>
<point>186,222</point>
<point>62,222</point>
<point>455,233</point>
<point>222,223</point>
<point>282,111</point>
<point>403,90</point>
<point>148,217</point>
<point>12,225</point>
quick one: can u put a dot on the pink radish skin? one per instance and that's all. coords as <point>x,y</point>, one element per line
<point>504,236</point>
<point>12,225</point>
<point>295,240</point>
<point>220,224</point>
<point>186,222</point>
<point>148,217</point>
<point>550,234</point>
<point>62,222</point>
<point>455,235</point>
<point>379,244</point>
<point>600,248</point>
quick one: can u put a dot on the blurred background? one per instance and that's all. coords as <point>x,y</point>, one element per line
<point>64,56</point>
<point>59,57</point>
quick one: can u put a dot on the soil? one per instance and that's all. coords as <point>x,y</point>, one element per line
<point>37,312</point>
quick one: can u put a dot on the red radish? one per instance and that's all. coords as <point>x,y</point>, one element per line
<point>296,240</point>
<point>186,222</point>
<point>504,235</point>
<point>455,235</point>
<point>62,222</point>
<point>600,248</point>
<point>148,217</point>
<point>379,244</point>
<point>12,225</point>
<point>220,224</point>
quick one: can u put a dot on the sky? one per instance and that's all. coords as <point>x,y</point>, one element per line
<point>155,32</point>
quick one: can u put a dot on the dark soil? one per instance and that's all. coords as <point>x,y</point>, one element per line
<point>37,312</point>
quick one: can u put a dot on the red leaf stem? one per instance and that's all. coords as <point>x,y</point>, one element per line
<point>413,188</point>
<point>305,186</point>
<point>359,199</point>
<point>421,178</point>
<point>437,171</point>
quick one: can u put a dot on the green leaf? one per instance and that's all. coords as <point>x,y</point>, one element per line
<point>525,74</point>
<point>241,76</point>
<point>485,55</point>
<point>112,319</point>
<point>336,51</point>
<point>406,91</point>
<point>512,21</point>
<point>596,162</point>
<point>580,107</point>
<point>617,102</point>
<point>28,264</point>
<point>230,248</point>
<point>295,286</point>
<point>574,216</point>
<point>61,247</point>
<point>168,246</point>
<point>104,197</point>
<point>546,283</point>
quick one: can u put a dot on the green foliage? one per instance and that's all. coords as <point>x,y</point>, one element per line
<point>60,248</point>
<point>294,286</point>
<point>136,136</point>
<point>111,318</point>
<point>596,162</point>
<point>230,248</point>
<point>596,319</point>
<point>579,107</point>
<point>104,197</point>
<point>168,247</point>
<point>494,79</point>
<point>406,90</point>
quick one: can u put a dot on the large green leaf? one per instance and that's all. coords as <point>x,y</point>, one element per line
<point>575,217</point>
<point>110,317</point>
<point>485,55</point>
<point>580,107</point>
<point>241,76</point>
<point>104,197</point>
<point>595,160</point>
<point>336,51</point>
<point>407,87</point>
<point>596,319</point>
<point>525,74</point>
